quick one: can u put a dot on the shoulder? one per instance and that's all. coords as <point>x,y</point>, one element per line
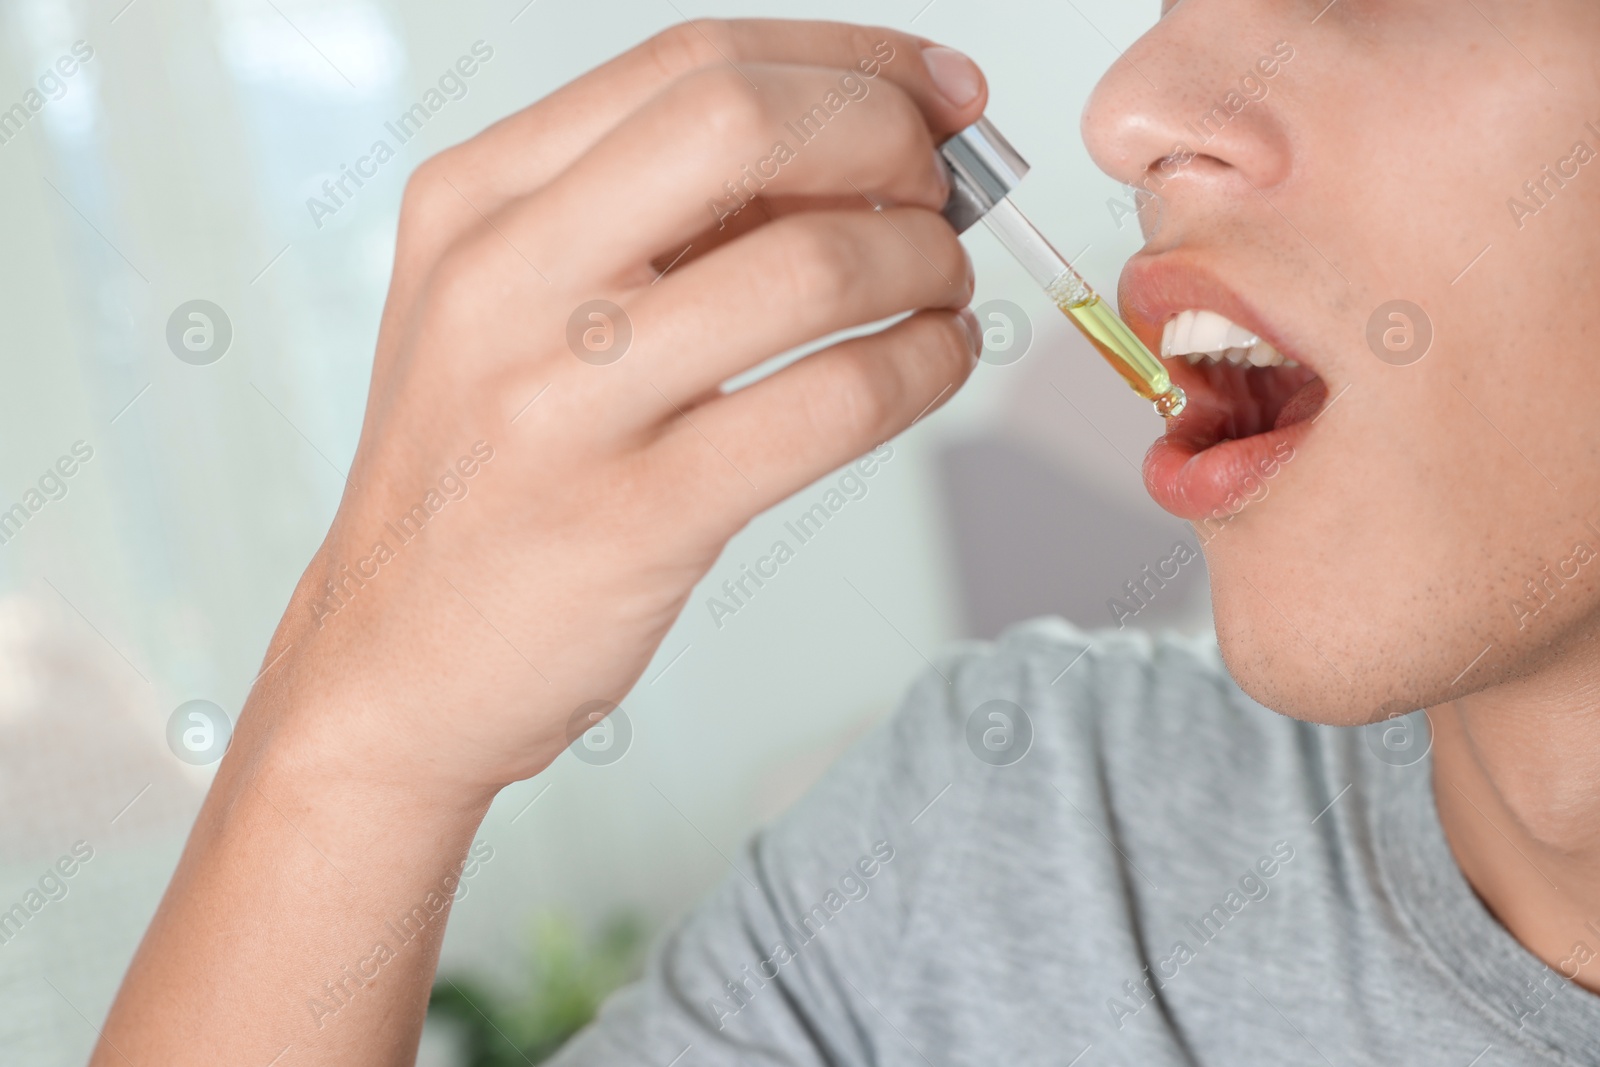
<point>1146,722</point>
<point>1137,735</point>
<point>1045,692</point>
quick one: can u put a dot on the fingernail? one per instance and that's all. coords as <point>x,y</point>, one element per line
<point>955,76</point>
<point>969,319</point>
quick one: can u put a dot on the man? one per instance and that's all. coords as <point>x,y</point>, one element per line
<point>1070,848</point>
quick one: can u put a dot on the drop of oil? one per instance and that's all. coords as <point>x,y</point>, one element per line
<point>1170,405</point>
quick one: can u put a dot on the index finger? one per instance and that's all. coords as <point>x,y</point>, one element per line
<point>497,165</point>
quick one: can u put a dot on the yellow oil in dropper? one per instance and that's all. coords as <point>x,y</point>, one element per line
<point>984,168</point>
<point>1119,345</point>
<point>1095,318</point>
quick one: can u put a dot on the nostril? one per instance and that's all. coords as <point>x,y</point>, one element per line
<point>1214,113</point>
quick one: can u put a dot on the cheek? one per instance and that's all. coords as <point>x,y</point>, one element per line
<point>1391,553</point>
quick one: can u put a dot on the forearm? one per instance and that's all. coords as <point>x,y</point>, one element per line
<point>306,913</point>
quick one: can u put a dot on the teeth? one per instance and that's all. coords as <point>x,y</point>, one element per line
<point>1240,337</point>
<point>1198,335</point>
<point>1209,332</point>
<point>1175,335</point>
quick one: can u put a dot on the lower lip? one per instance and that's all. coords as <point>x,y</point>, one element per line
<point>1195,482</point>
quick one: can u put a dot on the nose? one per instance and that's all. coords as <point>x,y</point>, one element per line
<point>1195,108</point>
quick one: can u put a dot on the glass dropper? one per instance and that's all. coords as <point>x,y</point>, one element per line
<point>984,168</point>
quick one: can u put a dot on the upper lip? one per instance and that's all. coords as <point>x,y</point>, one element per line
<point>1155,287</point>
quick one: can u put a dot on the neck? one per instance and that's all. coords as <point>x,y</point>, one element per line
<point>1517,782</point>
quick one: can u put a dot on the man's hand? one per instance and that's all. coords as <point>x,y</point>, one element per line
<point>547,467</point>
<point>570,289</point>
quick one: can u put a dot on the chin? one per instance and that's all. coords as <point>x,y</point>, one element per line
<point>1279,671</point>
<point>1337,663</point>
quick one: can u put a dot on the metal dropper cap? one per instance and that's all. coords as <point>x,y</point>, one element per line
<point>984,168</point>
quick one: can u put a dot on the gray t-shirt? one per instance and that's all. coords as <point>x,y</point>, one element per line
<point>1140,866</point>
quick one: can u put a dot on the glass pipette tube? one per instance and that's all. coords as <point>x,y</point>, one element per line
<point>1096,319</point>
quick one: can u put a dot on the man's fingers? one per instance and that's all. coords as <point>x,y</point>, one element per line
<point>468,186</point>
<point>802,277</point>
<point>771,439</point>
<point>700,151</point>
<point>498,165</point>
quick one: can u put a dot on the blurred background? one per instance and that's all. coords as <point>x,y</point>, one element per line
<point>175,164</point>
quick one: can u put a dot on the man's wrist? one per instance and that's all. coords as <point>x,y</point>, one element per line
<point>334,748</point>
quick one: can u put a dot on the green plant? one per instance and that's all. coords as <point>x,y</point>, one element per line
<point>568,976</point>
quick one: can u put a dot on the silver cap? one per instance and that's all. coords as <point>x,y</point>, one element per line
<point>984,168</point>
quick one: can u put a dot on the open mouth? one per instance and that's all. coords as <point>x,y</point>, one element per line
<point>1249,406</point>
<point>1238,384</point>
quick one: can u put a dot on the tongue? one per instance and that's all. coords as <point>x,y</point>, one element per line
<point>1306,402</point>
